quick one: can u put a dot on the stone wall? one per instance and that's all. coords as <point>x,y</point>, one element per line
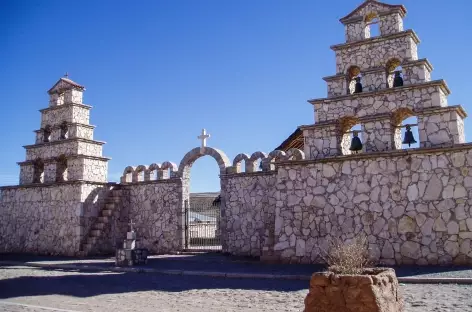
<point>64,147</point>
<point>249,212</point>
<point>402,46</point>
<point>47,219</point>
<point>414,207</point>
<point>73,113</point>
<point>430,94</point>
<point>155,207</point>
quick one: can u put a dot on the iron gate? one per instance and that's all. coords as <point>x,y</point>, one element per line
<point>202,226</point>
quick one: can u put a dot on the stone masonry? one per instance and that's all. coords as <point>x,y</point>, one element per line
<point>413,204</point>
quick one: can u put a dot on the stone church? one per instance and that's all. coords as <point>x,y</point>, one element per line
<point>352,172</point>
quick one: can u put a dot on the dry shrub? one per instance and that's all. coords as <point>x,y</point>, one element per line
<point>349,258</point>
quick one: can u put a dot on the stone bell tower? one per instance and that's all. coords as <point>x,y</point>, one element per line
<point>379,82</point>
<point>64,149</point>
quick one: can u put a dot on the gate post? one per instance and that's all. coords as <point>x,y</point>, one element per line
<point>186,223</point>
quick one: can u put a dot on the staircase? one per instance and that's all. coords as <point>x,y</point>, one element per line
<point>105,217</point>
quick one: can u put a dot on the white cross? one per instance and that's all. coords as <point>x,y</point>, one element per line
<point>203,137</point>
<point>131,223</point>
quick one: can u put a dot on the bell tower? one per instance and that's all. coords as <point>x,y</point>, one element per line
<point>65,149</point>
<point>380,82</point>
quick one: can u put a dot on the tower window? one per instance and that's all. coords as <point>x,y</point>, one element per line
<point>61,169</point>
<point>47,133</point>
<point>38,171</point>
<point>372,25</point>
<point>394,73</point>
<point>64,131</point>
<point>354,80</point>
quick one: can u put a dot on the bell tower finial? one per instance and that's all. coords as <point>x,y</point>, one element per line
<point>66,75</point>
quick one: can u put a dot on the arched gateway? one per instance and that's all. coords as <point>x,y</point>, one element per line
<point>201,222</point>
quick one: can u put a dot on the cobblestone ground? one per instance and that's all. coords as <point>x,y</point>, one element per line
<point>38,290</point>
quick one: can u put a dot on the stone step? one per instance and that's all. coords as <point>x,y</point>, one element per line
<point>105,219</point>
<point>98,226</point>
<point>95,233</point>
<point>116,193</point>
<point>107,213</point>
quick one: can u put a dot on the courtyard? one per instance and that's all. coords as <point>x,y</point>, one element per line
<point>80,288</point>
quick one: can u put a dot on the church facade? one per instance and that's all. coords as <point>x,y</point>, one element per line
<point>349,173</point>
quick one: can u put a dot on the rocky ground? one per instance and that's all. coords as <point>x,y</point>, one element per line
<point>29,289</point>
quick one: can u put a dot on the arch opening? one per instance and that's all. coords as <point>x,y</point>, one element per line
<point>394,72</point>
<point>202,199</point>
<point>372,25</point>
<point>405,129</point>
<point>61,169</point>
<point>350,128</point>
<point>354,80</point>
<point>38,171</point>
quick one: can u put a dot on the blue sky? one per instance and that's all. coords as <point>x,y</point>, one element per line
<point>157,72</point>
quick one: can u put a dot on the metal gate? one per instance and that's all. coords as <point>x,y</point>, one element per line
<point>202,226</point>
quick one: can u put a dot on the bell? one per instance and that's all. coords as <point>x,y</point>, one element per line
<point>358,88</point>
<point>356,144</point>
<point>398,80</point>
<point>409,139</point>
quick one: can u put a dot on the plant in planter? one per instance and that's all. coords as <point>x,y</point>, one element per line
<point>351,284</point>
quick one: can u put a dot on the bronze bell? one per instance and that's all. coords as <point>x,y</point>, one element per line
<point>398,80</point>
<point>358,88</point>
<point>409,138</point>
<point>356,144</point>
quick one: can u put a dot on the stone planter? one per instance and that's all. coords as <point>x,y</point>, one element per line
<point>376,290</point>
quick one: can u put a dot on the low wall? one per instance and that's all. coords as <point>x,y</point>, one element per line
<point>414,207</point>
<point>47,219</point>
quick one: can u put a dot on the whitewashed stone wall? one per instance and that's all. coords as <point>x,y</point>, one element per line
<point>81,131</point>
<point>416,72</point>
<point>441,127</point>
<point>377,135</point>
<point>249,213</point>
<point>44,219</point>
<point>67,97</point>
<point>94,169</point>
<point>72,147</point>
<point>321,141</point>
<point>402,46</point>
<point>388,101</point>
<point>390,24</point>
<point>391,21</point>
<point>374,79</point>
<point>156,209</point>
<point>414,210</point>
<point>72,113</point>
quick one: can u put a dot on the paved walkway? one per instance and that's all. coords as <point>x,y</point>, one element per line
<point>218,263</point>
<point>27,289</point>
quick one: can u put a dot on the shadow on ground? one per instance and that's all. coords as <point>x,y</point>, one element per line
<point>94,284</point>
<point>74,283</point>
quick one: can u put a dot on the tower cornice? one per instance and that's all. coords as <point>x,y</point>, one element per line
<point>436,83</point>
<point>411,33</point>
<point>64,141</point>
<point>66,105</point>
